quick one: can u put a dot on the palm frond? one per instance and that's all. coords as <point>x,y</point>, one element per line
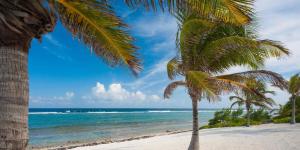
<point>238,102</point>
<point>274,48</point>
<point>237,12</point>
<point>194,31</point>
<point>174,67</point>
<point>294,84</point>
<point>235,50</point>
<point>94,23</point>
<point>171,87</point>
<point>212,86</point>
<point>263,75</point>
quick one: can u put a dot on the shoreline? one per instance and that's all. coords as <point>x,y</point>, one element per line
<point>76,144</point>
<point>263,137</point>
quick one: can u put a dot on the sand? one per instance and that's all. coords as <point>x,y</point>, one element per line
<point>262,137</point>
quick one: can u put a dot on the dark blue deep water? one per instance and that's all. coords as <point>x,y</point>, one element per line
<point>58,126</point>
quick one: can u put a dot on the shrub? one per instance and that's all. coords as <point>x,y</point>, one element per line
<point>229,118</point>
<point>281,120</point>
<point>285,112</point>
<point>260,115</point>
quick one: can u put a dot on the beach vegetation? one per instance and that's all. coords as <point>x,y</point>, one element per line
<point>250,99</point>
<point>233,118</point>
<point>294,90</point>
<point>285,112</point>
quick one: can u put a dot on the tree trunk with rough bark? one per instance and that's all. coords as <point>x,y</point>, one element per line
<point>194,144</point>
<point>14,95</point>
<point>293,121</point>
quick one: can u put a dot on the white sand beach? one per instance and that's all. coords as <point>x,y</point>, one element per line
<point>262,137</point>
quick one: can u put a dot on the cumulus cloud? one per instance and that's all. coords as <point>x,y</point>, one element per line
<point>116,92</point>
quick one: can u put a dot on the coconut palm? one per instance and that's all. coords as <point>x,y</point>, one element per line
<point>294,90</point>
<point>250,99</point>
<point>206,50</point>
<point>91,21</point>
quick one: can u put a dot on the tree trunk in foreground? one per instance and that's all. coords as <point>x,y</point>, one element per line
<point>13,98</point>
<point>194,144</point>
<point>293,121</point>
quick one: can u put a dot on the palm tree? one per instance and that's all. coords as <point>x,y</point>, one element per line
<point>294,90</point>
<point>206,50</point>
<point>250,99</point>
<point>92,22</point>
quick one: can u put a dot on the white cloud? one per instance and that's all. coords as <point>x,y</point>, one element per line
<point>158,26</point>
<point>278,20</point>
<point>116,92</point>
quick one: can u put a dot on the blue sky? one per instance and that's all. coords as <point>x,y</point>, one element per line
<point>64,73</point>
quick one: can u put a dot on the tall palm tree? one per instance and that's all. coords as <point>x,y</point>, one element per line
<point>294,90</point>
<point>250,99</point>
<point>91,21</point>
<point>206,50</point>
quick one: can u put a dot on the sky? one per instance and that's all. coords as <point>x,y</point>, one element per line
<point>63,73</point>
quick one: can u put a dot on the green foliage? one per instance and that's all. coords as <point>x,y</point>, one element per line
<point>285,112</point>
<point>220,117</point>
<point>260,115</point>
<point>233,118</point>
<point>281,120</point>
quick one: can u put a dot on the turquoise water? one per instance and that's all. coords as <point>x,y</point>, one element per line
<point>48,127</point>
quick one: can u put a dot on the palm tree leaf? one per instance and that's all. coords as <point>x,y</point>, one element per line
<point>174,67</point>
<point>94,23</point>
<point>274,48</point>
<point>263,75</point>
<point>294,84</point>
<point>171,87</point>
<point>211,87</point>
<point>238,12</point>
<point>199,83</point>
<point>239,103</point>
<point>194,31</point>
<point>223,53</point>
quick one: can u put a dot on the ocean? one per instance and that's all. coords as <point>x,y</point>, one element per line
<point>59,126</point>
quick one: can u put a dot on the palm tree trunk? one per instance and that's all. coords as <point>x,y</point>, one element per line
<point>194,144</point>
<point>13,98</point>
<point>248,118</point>
<point>293,121</point>
<point>248,115</point>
